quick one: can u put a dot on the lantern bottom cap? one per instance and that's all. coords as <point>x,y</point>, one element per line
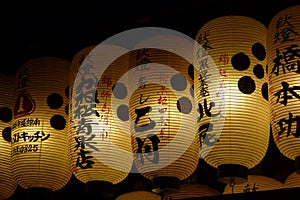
<point>232,174</point>
<point>165,185</point>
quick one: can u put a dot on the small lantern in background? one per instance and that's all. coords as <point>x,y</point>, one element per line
<point>283,47</point>
<point>194,190</point>
<point>231,87</point>
<point>292,181</point>
<point>163,117</point>
<point>39,131</point>
<point>100,148</point>
<point>7,183</point>
<point>255,183</point>
<point>137,195</point>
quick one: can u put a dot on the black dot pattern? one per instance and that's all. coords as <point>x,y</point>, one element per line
<point>246,85</point>
<point>55,101</point>
<point>259,51</point>
<point>178,82</point>
<point>192,91</point>
<point>191,71</point>
<point>264,91</point>
<point>184,105</point>
<point>58,122</point>
<point>67,109</point>
<point>240,61</point>
<point>123,112</point>
<point>6,134</point>
<point>67,92</point>
<point>258,71</point>
<point>119,90</point>
<point>5,114</point>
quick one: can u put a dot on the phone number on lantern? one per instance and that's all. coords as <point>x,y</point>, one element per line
<point>25,148</point>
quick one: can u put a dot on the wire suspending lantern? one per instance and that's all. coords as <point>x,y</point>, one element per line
<point>39,132</point>
<point>231,87</point>
<point>163,117</point>
<point>283,47</point>
<point>100,148</point>
<point>7,183</point>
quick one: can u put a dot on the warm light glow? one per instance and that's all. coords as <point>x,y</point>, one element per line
<point>193,191</point>
<point>292,181</point>
<point>162,114</point>
<point>7,184</point>
<point>39,131</point>
<point>255,183</point>
<point>138,195</point>
<point>284,65</point>
<point>102,151</point>
<point>231,86</point>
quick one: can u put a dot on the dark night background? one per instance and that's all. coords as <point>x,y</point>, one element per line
<point>61,28</point>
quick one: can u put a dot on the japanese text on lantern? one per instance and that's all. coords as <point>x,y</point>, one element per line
<point>207,107</point>
<point>105,108</point>
<point>25,141</point>
<point>287,60</point>
<point>85,103</point>
<point>148,146</point>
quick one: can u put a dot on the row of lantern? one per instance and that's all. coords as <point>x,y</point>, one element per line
<point>218,109</point>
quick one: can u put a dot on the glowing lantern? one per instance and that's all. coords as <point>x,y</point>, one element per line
<point>137,195</point>
<point>163,120</point>
<point>231,86</point>
<point>100,148</point>
<point>292,181</point>
<point>255,183</point>
<point>39,131</point>
<point>283,47</point>
<point>194,190</point>
<point>7,184</point>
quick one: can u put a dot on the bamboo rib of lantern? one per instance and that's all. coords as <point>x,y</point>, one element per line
<point>235,47</point>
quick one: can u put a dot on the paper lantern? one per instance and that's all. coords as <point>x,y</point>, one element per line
<point>194,190</point>
<point>231,87</point>
<point>39,131</point>
<point>292,181</point>
<point>255,183</point>
<point>163,117</point>
<point>7,184</point>
<point>283,47</point>
<point>137,195</point>
<point>100,148</point>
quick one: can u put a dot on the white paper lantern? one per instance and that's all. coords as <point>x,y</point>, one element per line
<point>231,86</point>
<point>39,130</point>
<point>283,47</point>
<point>7,184</point>
<point>292,181</point>
<point>163,120</point>
<point>194,190</point>
<point>255,183</point>
<point>137,195</point>
<point>100,148</point>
